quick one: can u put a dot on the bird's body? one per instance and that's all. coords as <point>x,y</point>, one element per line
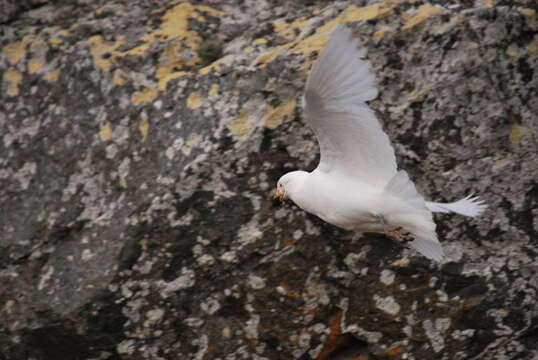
<point>356,185</point>
<point>354,208</point>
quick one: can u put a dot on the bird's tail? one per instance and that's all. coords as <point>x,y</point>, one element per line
<point>416,218</point>
<point>469,206</point>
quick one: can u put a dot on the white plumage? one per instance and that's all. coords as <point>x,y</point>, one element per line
<point>356,185</point>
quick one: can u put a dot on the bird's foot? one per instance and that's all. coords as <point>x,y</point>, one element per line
<point>401,235</point>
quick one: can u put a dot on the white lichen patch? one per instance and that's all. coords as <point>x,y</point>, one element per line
<point>249,233</point>
<point>435,332</point>
<point>319,328</point>
<point>87,255</point>
<point>210,306</point>
<point>352,261</point>
<point>316,293</point>
<point>25,173</point>
<point>441,295</point>
<point>229,256</point>
<point>184,281</point>
<point>387,277</point>
<point>251,328</point>
<point>171,151</point>
<point>202,344</point>
<point>45,277</point>
<point>153,316</point>
<point>205,260</point>
<point>145,267</point>
<point>387,304</point>
<point>126,347</point>
<point>442,324</point>
<point>256,282</point>
<point>194,322</point>
<point>372,337</point>
<point>111,151</point>
<point>463,334</point>
<point>303,341</point>
<point>123,169</point>
<point>407,330</point>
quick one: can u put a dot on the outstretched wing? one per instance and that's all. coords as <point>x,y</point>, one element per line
<point>351,139</point>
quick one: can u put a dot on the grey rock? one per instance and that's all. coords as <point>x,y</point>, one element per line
<point>136,182</point>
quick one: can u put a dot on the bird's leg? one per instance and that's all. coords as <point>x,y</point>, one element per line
<point>399,234</point>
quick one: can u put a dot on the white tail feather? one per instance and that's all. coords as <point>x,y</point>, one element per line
<point>469,206</point>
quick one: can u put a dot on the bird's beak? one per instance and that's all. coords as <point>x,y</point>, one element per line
<point>280,195</point>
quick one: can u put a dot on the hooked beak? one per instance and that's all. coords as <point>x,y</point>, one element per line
<point>280,195</point>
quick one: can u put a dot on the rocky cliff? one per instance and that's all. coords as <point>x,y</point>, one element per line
<point>141,142</point>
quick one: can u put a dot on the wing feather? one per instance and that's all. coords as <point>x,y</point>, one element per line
<point>352,142</point>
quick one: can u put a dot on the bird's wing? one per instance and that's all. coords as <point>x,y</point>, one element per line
<point>352,142</point>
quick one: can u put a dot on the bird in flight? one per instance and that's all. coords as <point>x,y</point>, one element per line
<point>357,185</point>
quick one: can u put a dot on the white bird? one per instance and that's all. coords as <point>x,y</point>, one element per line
<point>356,185</point>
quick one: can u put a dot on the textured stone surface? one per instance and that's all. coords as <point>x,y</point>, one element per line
<point>140,145</point>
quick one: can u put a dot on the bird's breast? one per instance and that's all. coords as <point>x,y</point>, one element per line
<point>350,206</point>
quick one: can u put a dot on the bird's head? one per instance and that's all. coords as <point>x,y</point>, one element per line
<point>289,185</point>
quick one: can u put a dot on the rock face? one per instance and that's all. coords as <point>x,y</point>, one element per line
<point>141,142</point>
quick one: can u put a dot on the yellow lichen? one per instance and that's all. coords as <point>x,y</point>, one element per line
<point>102,52</point>
<point>501,163</point>
<point>119,78</point>
<point>56,40</point>
<point>271,55</point>
<point>512,51</point>
<point>123,182</point>
<point>240,125</point>
<point>14,51</point>
<point>529,13</point>
<point>192,141</point>
<point>423,13</point>
<point>213,90</point>
<point>174,31</point>
<point>144,129</point>
<point>194,100</point>
<point>14,79</point>
<point>311,44</point>
<point>442,28</point>
<point>35,65</point>
<point>275,116</point>
<point>315,42</point>
<point>518,132</point>
<point>354,13</point>
<point>105,131</point>
<point>144,96</point>
<point>215,65</point>
<point>288,30</point>
<point>165,76</point>
<point>52,76</point>
<point>533,46</point>
<point>420,93</point>
<point>379,34</point>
